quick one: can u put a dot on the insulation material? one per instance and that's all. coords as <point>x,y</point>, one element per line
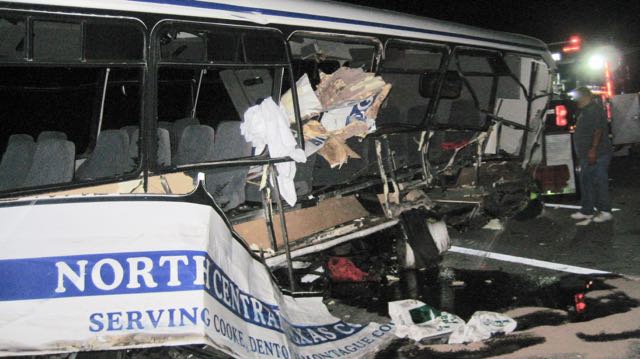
<point>309,104</point>
<point>350,95</point>
<point>351,99</point>
<point>331,145</point>
<point>315,136</point>
<point>346,86</point>
<point>337,152</point>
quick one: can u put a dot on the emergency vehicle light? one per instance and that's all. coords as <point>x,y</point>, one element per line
<point>561,116</point>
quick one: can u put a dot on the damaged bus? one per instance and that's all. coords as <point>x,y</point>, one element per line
<point>167,164</point>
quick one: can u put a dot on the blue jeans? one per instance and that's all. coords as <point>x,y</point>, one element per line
<point>594,185</point>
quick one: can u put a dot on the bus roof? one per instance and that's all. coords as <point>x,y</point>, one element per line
<point>319,14</point>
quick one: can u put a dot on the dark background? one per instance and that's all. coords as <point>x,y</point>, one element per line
<point>610,22</point>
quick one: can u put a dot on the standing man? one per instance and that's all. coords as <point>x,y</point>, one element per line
<point>594,151</point>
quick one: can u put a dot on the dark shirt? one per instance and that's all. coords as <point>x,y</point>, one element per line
<point>591,118</point>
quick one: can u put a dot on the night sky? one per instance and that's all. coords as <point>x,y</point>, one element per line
<point>613,23</point>
<point>616,22</point>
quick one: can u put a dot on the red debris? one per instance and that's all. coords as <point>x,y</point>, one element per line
<point>449,146</point>
<point>343,270</point>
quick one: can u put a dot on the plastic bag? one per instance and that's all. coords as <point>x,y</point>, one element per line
<point>420,322</point>
<point>482,326</point>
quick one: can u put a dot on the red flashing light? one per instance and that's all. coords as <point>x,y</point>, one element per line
<point>571,48</point>
<point>575,40</point>
<point>574,44</point>
<point>607,74</point>
<point>580,306</point>
<point>561,116</point>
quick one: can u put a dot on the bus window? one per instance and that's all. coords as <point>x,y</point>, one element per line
<point>511,104</point>
<point>106,41</point>
<point>208,77</point>
<point>72,123</point>
<point>57,41</point>
<point>261,48</point>
<point>479,74</point>
<point>403,65</point>
<point>316,53</point>
<point>313,53</point>
<point>508,84</point>
<point>183,46</point>
<point>12,38</point>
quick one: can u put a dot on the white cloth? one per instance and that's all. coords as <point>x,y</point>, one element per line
<point>267,125</point>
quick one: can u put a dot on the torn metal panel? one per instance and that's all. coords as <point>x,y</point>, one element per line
<point>401,201</point>
<point>335,237</point>
<point>177,275</point>
<point>304,222</point>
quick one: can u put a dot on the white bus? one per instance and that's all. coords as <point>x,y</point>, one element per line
<point>122,137</point>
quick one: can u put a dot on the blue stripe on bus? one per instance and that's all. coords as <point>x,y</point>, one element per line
<point>297,15</point>
<point>39,278</point>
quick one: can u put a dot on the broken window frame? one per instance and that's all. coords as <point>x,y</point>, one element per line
<point>444,50</point>
<point>385,157</point>
<point>345,38</point>
<point>525,88</point>
<point>261,159</point>
<point>36,16</point>
<point>495,76</point>
<point>464,75</point>
<point>28,60</point>
<point>446,54</point>
<point>531,98</point>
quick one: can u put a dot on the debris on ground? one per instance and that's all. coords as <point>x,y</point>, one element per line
<point>482,326</point>
<point>342,269</point>
<point>312,277</point>
<point>420,322</point>
<point>494,225</point>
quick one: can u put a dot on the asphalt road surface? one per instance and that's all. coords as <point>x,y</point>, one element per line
<point>611,246</point>
<point>531,270</point>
